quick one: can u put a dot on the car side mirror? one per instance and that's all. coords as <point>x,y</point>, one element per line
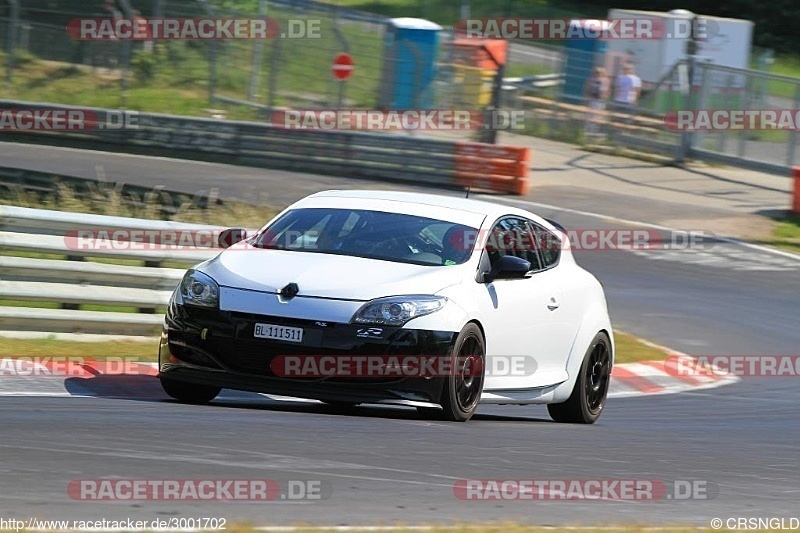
<point>229,237</point>
<point>508,267</point>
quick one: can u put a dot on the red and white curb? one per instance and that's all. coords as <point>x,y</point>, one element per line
<point>21,377</point>
<point>677,373</point>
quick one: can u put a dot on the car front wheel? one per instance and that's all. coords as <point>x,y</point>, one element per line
<point>188,392</point>
<point>463,387</point>
<point>588,397</point>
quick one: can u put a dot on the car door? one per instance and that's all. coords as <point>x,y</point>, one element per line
<point>520,314</point>
<point>563,311</point>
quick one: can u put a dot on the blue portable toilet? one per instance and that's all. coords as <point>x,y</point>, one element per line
<point>410,52</point>
<point>582,55</point>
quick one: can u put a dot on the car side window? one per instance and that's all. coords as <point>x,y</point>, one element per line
<point>512,236</point>
<point>548,243</point>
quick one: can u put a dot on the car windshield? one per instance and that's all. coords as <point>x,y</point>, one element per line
<point>372,234</point>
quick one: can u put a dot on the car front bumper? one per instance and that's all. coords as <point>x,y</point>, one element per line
<point>218,348</point>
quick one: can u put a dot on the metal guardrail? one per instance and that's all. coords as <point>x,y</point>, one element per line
<point>344,153</point>
<point>20,179</point>
<point>47,222</point>
<point>66,278</point>
<point>535,83</point>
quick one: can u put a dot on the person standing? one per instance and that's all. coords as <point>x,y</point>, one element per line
<point>627,89</point>
<point>596,92</point>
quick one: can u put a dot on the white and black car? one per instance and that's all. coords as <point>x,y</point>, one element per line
<point>341,274</point>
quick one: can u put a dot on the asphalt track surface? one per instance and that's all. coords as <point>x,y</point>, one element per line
<point>384,464</point>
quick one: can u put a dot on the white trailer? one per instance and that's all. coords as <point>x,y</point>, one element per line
<point>727,43</point>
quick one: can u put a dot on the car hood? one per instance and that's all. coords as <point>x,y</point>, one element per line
<point>326,275</point>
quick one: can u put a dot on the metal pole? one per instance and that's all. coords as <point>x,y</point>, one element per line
<point>793,133</point>
<point>748,104</point>
<point>258,58</point>
<point>340,97</point>
<point>12,38</point>
<point>273,71</point>
<point>489,134</point>
<point>126,51</point>
<point>686,136</point>
<point>337,33</point>
<point>212,71</point>
<point>212,56</point>
<point>722,136</point>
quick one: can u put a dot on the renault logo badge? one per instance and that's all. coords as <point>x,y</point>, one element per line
<point>289,291</point>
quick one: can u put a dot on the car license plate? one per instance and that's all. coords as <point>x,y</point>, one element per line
<point>280,333</point>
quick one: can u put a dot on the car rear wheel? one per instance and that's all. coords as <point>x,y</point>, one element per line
<point>189,392</point>
<point>463,387</point>
<point>588,397</point>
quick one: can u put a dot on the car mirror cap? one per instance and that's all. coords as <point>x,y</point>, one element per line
<point>509,267</point>
<point>231,236</point>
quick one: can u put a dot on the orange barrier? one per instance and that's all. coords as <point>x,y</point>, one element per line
<point>493,167</point>
<point>796,197</point>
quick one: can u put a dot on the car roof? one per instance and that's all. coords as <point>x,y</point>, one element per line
<point>478,207</point>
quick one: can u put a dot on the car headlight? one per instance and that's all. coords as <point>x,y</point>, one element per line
<point>197,288</point>
<point>397,310</point>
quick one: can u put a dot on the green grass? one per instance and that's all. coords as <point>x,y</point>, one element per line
<point>143,351</point>
<point>174,78</point>
<point>787,234</point>
<point>108,200</point>
<point>785,66</point>
<point>630,349</point>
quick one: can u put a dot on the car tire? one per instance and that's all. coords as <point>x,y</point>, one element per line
<point>462,390</point>
<point>588,397</point>
<point>189,392</point>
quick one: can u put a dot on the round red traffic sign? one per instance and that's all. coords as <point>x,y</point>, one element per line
<point>342,66</point>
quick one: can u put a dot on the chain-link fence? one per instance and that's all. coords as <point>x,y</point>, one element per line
<point>557,107</point>
<point>235,78</point>
<point>191,76</point>
<point>247,79</point>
